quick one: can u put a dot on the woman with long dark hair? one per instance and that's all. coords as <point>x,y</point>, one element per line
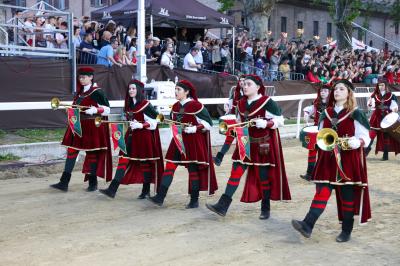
<point>143,162</point>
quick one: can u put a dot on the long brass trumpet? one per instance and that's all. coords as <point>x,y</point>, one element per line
<point>161,119</point>
<point>98,121</point>
<point>224,127</point>
<point>56,103</point>
<point>327,139</point>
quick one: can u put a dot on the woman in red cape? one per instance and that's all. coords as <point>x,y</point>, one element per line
<point>190,146</point>
<point>266,178</point>
<point>314,111</point>
<point>231,109</point>
<point>95,141</point>
<point>344,170</point>
<point>143,162</point>
<point>383,102</point>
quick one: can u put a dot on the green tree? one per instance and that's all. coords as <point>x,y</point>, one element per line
<point>256,14</point>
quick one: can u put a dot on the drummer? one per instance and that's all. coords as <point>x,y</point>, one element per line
<point>230,109</point>
<point>311,115</point>
<point>382,102</point>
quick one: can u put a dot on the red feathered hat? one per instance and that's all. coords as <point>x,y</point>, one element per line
<point>258,81</point>
<point>87,71</point>
<point>187,86</point>
<point>138,83</point>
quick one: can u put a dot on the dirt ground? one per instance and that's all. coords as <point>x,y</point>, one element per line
<point>41,226</point>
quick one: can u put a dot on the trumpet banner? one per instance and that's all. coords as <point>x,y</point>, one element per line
<point>340,173</point>
<point>243,140</point>
<point>177,135</point>
<point>117,136</point>
<point>74,121</point>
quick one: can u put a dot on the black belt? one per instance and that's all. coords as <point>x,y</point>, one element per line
<point>259,140</point>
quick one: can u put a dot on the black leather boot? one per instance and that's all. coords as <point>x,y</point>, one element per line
<point>145,191</point>
<point>160,196</point>
<point>347,228</point>
<point>265,209</point>
<point>385,156</point>
<point>64,181</point>
<point>222,205</point>
<point>306,226</point>
<point>194,200</point>
<point>308,174</point>
<point>111,190</point>
<point>218,159</point>
<point>92,183</point>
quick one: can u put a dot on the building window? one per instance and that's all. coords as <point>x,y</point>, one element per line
<point>329,29</point>
<point>300,24</point>
<point>396,28</point>
<point>283,24</point>
<point>20,3</point>
<point>269,23</point>
<point>316,28</point>
<point>59,4</point>
<point>98,3</point>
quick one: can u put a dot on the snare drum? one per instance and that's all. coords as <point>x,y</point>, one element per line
<point>391,125</point>
<point>308,137</point>
<point>229,120</point>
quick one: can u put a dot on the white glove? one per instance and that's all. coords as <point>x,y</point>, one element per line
<point>261,123</point>
<point>135,125</point>
<point>190,130</point>
<point>91,111</point>
<point>354,143</point>
<point>306,117</point>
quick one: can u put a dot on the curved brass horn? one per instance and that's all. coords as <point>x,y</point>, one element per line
<point>161,119</point>
<point>56,103</point>
<point>327,139</point>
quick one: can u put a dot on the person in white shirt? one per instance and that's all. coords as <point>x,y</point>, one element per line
<point>199,57</point>
<point>189,63</point>
<point>49,34</point>
<point>167,58</point>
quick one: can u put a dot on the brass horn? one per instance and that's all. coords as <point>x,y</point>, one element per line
<point>224,127</point>
<point>98,121</point>
<point>327,139</point>
<point>56,103</point>
<point>161,119</point>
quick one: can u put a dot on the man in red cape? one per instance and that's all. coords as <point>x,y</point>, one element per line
<point>266,178</point>
<point>95,141</point>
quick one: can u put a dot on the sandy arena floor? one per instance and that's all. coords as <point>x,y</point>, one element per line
<point>41,226</point>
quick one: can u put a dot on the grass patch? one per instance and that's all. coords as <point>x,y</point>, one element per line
<point>8,157</point>
<point>2,133</point>
<point>41,135</point>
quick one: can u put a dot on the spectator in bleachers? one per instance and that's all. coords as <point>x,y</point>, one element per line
<point>156,49</point>
<point>199,56</point>
<point>188,61</point>
<point>167,58</point>
<point>76,39</point>
<point>49,34</point>
<point>105,56</point>
<point>284,68</point>
<point>131,34</point>
<point>87,51</point>
<point>61,37</point>
<point>29,29</point>
<point>149,56</point>
<point>121,57</point>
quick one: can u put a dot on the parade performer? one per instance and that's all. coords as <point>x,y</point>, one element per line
<point>230,108</point>
<point>313,112</point>
<point>83,135</point>
<point>190,146</point>
<point>341,167</point>
<point>382,102</point>
<point>142,161</point>
<point>259,150</point>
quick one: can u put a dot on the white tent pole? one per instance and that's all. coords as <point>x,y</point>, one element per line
<point>141,65</point>
<point>151,25</point>
<point>233,50</point>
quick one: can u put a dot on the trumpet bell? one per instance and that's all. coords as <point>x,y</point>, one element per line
<point>160,118</point>
<point>327,139</point>
<point>97,121</point>
<point>223,128</point>
<point>55,103</point>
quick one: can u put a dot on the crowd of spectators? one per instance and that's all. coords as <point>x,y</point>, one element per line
<point>284,58</point>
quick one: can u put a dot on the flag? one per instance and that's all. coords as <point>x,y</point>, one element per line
<point>243,140</point>
<point>340,173</point>
<point>74,121</point>
<point>117,135</point>
<point>177,135</point>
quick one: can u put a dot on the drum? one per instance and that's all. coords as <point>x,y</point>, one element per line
<point>229,120</point>
<point>391,125</point>
<point>308,137</point>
